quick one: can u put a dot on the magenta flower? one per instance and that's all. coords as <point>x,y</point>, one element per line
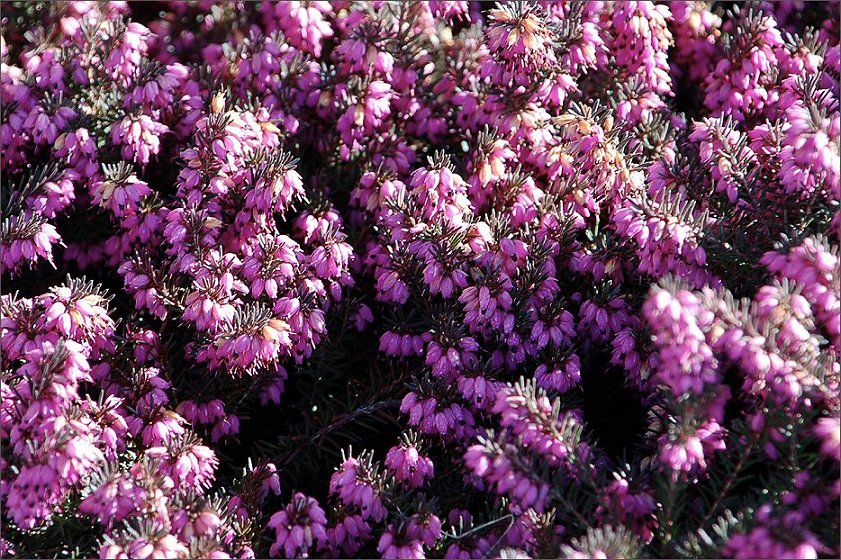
<point>355,483</point>
<point>565,272</point>
<point>408,465</point>
<point>828,431</point>
<point>297,527</point>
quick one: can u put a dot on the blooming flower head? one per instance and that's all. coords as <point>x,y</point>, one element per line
<point>298,527</point>
<point>408,465</point>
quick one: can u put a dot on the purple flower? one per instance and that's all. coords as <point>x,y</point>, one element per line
<point>408,465</point>
<point>356,484</point>
<point>298,527</point>
<point>828,431</point>
<point>686,362</point>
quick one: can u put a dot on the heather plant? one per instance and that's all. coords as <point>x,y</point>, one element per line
<point>445,279</point>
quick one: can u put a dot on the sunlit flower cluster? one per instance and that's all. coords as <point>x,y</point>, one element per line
<point>566,274</point>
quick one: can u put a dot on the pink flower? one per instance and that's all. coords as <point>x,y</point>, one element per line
<point>688,452</point>
<point>26,238</point>
<point>304,23</point>
<point>491,462</point>
<point>140,137</point>
<point>828,431</point>
<point>356,484</point>
<point>112,501</point>
<point>685,360</point>
<point>407,538</point>
<point>347,536</point>
<point>120,192</point>
<point>188,463</point>
<point>408,465</point>
<point>298,527</point>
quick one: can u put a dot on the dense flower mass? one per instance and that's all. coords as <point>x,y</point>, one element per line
<point>447,279</point>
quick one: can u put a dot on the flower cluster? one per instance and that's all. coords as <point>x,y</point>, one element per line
<point>567,271</point>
